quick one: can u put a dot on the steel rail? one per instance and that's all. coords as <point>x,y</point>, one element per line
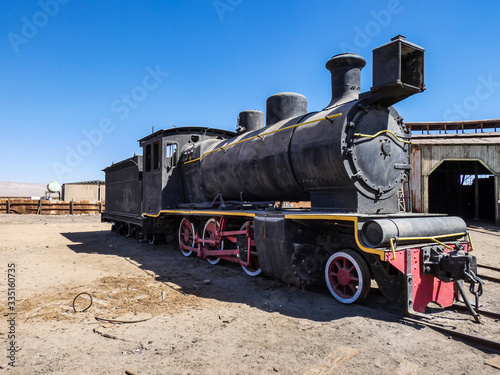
<point>489,314</point>
<point>489,278</point>
<point>486,343</point>
<point>491,345</point>
<point>489,267</point>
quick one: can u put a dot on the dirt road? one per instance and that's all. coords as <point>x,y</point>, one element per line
<point>194,318</point>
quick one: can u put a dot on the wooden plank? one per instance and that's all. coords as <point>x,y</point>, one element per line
<point>47,207</point>
<point>415,177</point>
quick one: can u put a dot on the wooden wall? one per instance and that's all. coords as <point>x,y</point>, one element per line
<point>83,192</point>
<point>426,157</point>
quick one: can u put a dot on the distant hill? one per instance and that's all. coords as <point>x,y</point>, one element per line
<point>21,189</point>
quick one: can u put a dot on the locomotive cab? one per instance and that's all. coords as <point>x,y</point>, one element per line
<point>160,185</point>
<point>162,176</point>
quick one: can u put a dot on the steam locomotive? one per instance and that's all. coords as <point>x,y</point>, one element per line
<point>221,194</point>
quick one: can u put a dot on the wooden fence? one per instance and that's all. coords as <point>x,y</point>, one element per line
<point>47,207</point>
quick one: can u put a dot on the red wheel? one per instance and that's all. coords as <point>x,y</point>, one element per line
<point>209,233</point>
<point>186,236</point>
<point>253,269</point>
<point>347,276</point>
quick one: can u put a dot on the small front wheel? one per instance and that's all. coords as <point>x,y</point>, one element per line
<point>347,276</point>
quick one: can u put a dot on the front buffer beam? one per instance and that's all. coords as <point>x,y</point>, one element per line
<point>431,273</point>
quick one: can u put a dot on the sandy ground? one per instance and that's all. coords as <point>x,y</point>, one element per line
<point>194,318</point>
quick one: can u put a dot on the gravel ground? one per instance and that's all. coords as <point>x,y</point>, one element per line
<point>188,317</point>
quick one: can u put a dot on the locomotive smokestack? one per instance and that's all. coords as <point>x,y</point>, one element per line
<point>346,71</point>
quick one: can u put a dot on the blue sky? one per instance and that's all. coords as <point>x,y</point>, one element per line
<point>82,81</point>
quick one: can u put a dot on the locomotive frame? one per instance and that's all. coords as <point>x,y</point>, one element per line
<point>220,194</point>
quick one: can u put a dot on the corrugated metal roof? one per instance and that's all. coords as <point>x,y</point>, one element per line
<point>94,182</point>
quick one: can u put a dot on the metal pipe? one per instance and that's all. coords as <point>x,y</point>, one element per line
<point>379,232</point>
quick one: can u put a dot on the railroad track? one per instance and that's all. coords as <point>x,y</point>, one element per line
<point>489,314</point>
<point>419,321</point>
<point>490,345</point>
<point>490,268</point>
<point>453,332</point>
<point>450,331</point>
<point>487,277</point>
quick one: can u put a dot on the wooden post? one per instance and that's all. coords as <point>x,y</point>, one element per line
<point>39,211</point>
<point>497,200</point>
<point>8,205</point>
<point>71,207</point>
<point>476,193</point>
<point>100,207</point>
<point>425,193</point>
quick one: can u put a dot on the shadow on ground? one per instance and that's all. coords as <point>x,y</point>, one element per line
<point>228,282</point>
<point>483,224</point>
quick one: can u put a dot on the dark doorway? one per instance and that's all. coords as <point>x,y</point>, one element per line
<point>463,188</point>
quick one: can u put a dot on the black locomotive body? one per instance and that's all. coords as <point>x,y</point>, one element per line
<point>220,193</point>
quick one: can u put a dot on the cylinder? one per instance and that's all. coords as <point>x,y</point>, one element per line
<point>345,70</point>
<point>379,232</point>
<point>250,120</point>
<point>284,105</point>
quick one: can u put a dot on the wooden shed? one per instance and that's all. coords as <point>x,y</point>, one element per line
<point>91,191</point>
<point>456,169</point>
